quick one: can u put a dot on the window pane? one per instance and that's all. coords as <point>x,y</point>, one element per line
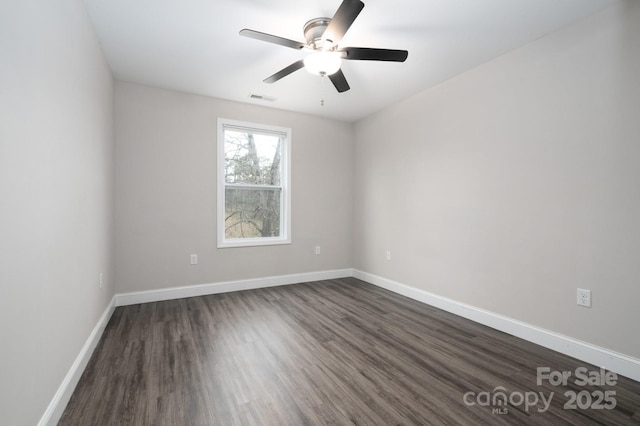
<point>252,213</point>
<point>254,200</point>
<point>252,158</point>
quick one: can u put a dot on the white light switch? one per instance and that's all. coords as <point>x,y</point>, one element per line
<point>194,259</point>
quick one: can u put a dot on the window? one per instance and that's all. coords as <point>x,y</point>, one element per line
<point>254,203</point>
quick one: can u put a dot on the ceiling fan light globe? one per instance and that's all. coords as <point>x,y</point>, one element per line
<point>323,63</point>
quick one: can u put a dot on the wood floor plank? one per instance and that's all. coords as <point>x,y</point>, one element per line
<point>338,352</point>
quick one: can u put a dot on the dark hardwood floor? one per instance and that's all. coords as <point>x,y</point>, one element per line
<point>330,352</point>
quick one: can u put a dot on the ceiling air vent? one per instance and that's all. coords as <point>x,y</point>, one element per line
<point>262,98</point>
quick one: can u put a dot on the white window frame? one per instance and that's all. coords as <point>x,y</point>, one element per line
<point>285,200</point>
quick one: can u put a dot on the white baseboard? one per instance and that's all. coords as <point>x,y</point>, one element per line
<point>60,400</point>
<point>133,298</point>
<point>592,354</point>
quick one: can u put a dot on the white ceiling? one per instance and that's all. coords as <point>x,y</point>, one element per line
<point>194,46</point>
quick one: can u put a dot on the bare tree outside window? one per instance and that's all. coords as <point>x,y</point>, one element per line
<point>253,183</point>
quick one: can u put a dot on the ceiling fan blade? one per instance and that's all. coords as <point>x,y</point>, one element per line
<point>269,38</point>
<point>342,20</point>
<point>371,54</point>
<point>285,72</point>
<point>339,81</point>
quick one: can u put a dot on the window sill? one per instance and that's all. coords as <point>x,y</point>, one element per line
<point>253,242</point>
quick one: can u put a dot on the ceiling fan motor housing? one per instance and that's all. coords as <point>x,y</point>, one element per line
<point>313,31</point>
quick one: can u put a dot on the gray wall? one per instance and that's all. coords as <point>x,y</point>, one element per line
<point>166,192</point>
<point>509,186</point>
<point>56,175</point>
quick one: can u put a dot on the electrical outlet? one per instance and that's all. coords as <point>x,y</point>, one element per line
<point>388,255</point>
<point>317,249</point>
<point>194,259</point>
<point>100,278</point>
<point>584,297</point>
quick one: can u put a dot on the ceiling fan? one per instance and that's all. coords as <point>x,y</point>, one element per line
<point>322,36</point>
